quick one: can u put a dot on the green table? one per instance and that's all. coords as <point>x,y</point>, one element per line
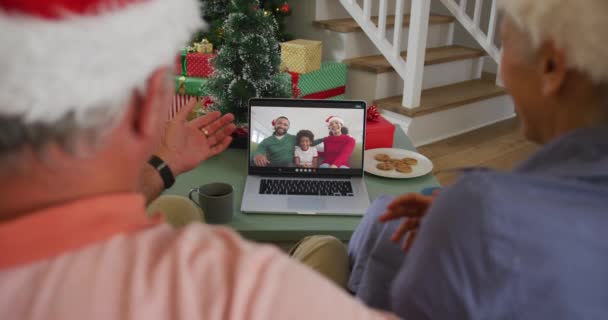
<point>231,167</point>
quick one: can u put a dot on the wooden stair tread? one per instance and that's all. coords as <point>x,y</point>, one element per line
<point>379,64</point>
<point>446,97</point>
<point>347,25</point>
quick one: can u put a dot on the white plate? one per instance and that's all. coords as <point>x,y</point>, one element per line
<point>423,167</point>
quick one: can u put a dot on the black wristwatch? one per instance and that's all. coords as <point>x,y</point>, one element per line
<point>163,169</point>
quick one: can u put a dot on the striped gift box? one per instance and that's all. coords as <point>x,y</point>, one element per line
<point>179,101</point>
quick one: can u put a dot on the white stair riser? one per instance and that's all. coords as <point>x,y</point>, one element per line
<point>370,86</point>
<point>340,46</point>
<point>441,125</point>
<point>332,9</point>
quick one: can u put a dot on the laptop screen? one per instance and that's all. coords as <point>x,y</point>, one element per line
<point>306,137</point>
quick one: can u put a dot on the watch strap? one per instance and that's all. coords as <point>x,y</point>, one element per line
<point>163,169</point>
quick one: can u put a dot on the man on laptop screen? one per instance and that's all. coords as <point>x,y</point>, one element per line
<point>276,150</point>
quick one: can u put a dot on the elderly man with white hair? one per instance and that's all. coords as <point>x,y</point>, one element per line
<point>527,244</point>
<point>84,92</point>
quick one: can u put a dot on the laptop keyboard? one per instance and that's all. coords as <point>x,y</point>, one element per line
<point>339,188</point>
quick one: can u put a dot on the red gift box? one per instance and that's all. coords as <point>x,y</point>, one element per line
<point>379,133</point>
<point>195,64</point>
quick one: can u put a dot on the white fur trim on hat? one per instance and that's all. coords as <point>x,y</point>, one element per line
<point>334,118</point>
<point>577,26</point>
<point>49,68</point>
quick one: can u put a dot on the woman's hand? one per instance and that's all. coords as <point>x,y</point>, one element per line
<point>411,206</point>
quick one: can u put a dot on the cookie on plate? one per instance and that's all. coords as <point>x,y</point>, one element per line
<point>384,166</point>
<point>394,161</point>
<point>410,161</point>
<point>382,157</point>
<point>403,168</point>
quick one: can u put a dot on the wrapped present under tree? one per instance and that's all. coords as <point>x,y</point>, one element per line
<point>301,56</point>
<point>187,88</point>
<point>195,64</point>
<point>329,82</point>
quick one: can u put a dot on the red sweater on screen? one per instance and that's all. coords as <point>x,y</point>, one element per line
<point>338,150</point>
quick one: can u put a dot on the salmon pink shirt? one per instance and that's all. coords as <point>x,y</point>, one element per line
<point>102,258</point>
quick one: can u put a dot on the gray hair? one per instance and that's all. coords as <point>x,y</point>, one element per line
<point>69,133</point>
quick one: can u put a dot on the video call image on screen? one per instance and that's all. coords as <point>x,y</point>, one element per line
<point>306,138</point>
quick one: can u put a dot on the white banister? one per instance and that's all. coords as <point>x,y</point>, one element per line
<point>416,50</point>
<point>382,19</point>
<point>473,28</point>
<point>377,34</point>
<point>398,28</point>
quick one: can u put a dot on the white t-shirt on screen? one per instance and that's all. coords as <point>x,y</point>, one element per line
<point>307,156</point>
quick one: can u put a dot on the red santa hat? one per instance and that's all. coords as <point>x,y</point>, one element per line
<point>72,56</point>
<point>333,118</point>
<point>274,121</point>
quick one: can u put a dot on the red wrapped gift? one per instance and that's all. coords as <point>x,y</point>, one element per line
<point>379,133</point>
<point>195,64</point>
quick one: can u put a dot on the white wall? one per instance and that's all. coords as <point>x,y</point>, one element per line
<point>312,119</point>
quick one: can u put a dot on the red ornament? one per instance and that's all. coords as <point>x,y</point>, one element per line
<point>256,7</point>
<point>207,102</point>
<point>241,131</point>
<point>285,8</point>
<point>372,113</point>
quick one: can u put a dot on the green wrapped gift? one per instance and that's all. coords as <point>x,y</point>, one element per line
<point>190,86</point>
<point>329,82</point>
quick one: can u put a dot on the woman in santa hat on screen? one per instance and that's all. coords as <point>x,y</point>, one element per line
<point>338,145</point>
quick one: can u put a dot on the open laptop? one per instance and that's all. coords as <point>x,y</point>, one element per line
<point>330,183</point>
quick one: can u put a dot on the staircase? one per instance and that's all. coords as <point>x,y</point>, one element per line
<point>408,61</point>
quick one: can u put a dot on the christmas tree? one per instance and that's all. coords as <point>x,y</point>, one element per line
<point>247,65</point>
<point>215,12</point>
<point>280,9</point>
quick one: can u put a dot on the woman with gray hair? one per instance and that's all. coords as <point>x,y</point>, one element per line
<point>527,244</point>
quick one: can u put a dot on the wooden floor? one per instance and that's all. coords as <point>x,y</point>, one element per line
<point>500,146</point>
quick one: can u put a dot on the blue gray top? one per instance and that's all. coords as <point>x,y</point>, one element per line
<point>529,244</point>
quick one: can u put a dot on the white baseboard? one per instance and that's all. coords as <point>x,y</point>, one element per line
<point>441,125</point>
<point>457,133</point>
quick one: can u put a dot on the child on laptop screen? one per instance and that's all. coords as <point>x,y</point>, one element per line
<point>305,155</point>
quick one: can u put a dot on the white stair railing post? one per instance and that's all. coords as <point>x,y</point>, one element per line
<point>398,28</point>
<point>477,13</point>
<point>463,5</point>
<point>382,20</point>
<point>367,9</point>
<point>492,24</point>
<point>416,50</point>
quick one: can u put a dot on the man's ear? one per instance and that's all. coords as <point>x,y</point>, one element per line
<point>149,106</point>
<point>553,68</point>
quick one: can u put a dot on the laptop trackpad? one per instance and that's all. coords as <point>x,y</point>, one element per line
<point>305,203</point>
